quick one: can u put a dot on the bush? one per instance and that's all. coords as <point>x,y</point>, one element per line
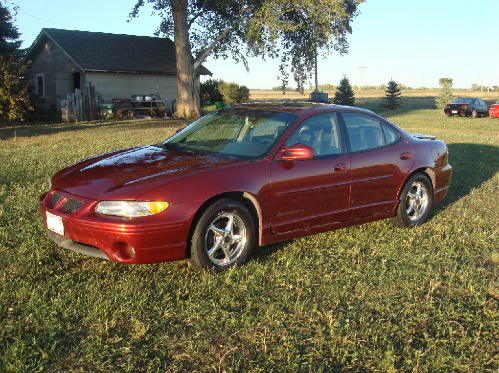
<point>233,92</point>
<point>14,96</point>
<point>209,91</point>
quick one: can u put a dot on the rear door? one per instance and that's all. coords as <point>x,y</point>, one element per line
<point>380,160</point>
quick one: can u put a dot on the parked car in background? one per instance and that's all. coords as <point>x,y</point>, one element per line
<point>494,110</point>
<point>246,175</point>
<point>467,106</point>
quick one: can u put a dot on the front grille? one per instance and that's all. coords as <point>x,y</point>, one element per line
<point>71,205</point>
<point>54,198</point>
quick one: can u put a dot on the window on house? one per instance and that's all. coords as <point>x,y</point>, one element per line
<point>40,85</point>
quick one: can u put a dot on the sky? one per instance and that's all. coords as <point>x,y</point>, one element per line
<point>412,42</point>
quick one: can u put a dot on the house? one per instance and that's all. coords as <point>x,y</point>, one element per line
<point>118,66</point>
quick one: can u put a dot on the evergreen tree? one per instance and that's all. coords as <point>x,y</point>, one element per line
<point>445,96</point>
<point>392,99</point>
<point>9,43</point>
<point>14,95</point>
<point>344,94</point>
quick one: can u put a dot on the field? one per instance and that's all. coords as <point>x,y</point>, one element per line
<point>372,298</point>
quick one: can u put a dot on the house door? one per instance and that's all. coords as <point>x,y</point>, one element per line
<point>63,86</point>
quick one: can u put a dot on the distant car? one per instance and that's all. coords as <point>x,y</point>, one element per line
<point>468,107</point>
<point>245,175</point>
<point>494,110</point>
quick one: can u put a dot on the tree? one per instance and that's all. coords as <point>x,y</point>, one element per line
<point>14,95</point>
<point>445,96</point>
<point>292,31</point>
<point>9,43</point>
<point>234,93</point>
<point>344,94</point>
<point>392,95</point>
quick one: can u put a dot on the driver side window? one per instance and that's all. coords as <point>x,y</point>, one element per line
<point>321,132</point>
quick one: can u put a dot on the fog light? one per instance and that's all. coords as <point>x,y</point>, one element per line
<point>124,251</point>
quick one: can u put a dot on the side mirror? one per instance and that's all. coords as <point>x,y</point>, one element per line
<point>297,152</point>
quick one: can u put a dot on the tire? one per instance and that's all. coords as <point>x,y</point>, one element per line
<point>415,203</point>
<point>223,237</point>
<point>474,114</point>
<point>449,114</point>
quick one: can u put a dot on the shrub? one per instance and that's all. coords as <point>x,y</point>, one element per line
<point>209,91</point>
<point>233,92</point>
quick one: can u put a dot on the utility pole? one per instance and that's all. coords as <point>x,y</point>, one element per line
<point>362,75</point>
<point>481,86</point>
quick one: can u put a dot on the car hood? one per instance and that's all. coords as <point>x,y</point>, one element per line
<point>127,174</point>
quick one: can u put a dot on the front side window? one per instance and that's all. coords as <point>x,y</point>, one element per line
<point>321,132</point>
<point>40,85</point>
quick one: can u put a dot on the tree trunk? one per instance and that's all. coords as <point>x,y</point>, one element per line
<point>187,102</point>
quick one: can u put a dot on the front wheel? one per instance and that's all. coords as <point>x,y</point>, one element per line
<point>474,114</point>
<point>415,203</point>
<point>223,237</point>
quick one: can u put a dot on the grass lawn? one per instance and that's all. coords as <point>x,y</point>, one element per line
<point>372,298</point>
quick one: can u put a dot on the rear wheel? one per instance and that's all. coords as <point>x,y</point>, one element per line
<point>415,202</point>
<point>223,237</point>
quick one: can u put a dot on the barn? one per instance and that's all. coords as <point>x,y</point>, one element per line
<point>118,66</point>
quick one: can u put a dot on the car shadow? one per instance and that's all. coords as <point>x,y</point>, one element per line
<point>472,165</point>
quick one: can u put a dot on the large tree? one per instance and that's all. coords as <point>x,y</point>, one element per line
<point>292,31</point>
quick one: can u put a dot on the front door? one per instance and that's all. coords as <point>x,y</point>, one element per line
<point>315,192</point>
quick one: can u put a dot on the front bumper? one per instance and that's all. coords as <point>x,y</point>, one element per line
<point>126,240</point>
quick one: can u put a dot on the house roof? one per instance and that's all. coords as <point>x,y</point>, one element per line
<point>97,51</point>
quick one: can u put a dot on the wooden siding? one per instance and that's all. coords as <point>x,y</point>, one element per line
<point>57,69</point>
<point>123,85</point>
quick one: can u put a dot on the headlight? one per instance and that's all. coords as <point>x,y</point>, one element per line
<point>130,209</point>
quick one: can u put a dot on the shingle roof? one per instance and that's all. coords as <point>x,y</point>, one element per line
<point>97,51</point>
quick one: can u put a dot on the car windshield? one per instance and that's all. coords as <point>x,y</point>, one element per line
<point>241,133</point>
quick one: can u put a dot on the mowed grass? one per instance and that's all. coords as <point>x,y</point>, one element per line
<point>372,298</point>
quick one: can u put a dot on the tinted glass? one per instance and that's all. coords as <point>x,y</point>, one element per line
<point>321,132</point>
<point>240,133</point>
<point>391,135</point>
<point>364,132</point>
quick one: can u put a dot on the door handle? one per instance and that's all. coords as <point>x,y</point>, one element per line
<point>340,167</point>
<point>405,155</point>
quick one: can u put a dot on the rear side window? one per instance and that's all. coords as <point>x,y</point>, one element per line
<point>364,132</point>
<point>391,135</point>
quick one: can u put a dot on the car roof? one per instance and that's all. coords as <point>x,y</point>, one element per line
<point>304,108</point>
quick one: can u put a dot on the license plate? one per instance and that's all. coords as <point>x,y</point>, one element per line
<point>454,111</point>
<point>54,223</point>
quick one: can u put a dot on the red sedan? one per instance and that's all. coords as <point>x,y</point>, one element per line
<point>494,110</point>
<point>246,175</point>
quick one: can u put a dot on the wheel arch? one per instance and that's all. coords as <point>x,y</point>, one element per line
<point>247,199</point>
<point>422,170</point>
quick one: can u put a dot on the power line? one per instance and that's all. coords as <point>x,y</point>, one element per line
<point>362,75</point>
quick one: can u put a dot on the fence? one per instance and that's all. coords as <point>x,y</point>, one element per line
<point>80,105</point>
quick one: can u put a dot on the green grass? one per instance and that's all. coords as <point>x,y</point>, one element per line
<point>372,298</point>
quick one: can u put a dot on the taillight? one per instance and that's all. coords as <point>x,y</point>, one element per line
<point>447,106</point>
<point>464,107</point>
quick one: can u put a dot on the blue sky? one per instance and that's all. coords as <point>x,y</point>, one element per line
<point>413,42</point>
